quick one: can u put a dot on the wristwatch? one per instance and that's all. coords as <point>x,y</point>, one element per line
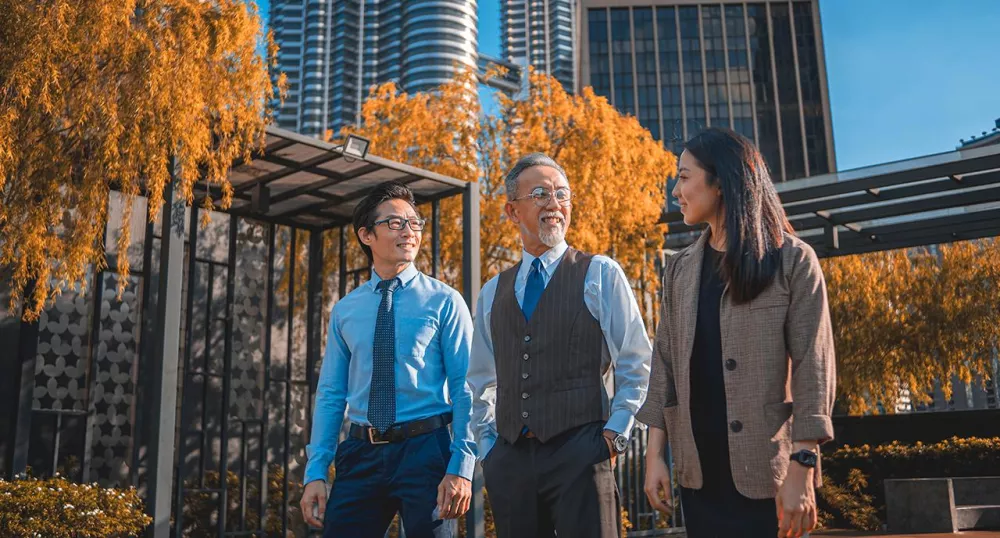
<point>619,443</point>
<point>807,458</point>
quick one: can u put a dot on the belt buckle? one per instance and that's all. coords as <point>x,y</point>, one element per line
<point>371,437</point>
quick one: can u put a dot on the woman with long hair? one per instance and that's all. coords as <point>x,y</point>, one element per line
<point>743,373</point>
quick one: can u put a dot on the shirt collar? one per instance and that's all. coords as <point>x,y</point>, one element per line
<point>548,257</point>
<point>405,277</point>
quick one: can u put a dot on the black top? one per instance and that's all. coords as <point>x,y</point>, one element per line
<point>708,390</point>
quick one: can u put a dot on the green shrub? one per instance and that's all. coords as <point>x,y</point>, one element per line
<point>58,508</point>
<point>854,491</point>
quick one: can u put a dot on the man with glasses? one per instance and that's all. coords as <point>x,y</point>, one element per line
<point>547,333</point>
<point>396,358</point>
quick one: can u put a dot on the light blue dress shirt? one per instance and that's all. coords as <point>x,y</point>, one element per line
<point>433,338</point>
<point>609,299</point>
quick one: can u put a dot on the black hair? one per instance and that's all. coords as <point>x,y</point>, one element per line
<point>754,220</point>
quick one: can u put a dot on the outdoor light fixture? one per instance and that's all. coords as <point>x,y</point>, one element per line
<point>356,147</point>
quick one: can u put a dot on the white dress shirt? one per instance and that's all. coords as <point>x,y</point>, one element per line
<point>609,299</point>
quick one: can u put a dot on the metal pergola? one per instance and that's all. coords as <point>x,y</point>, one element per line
<point>929,200</point>
<point>196,385</point>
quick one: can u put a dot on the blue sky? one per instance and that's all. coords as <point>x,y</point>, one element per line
<point>906,77</point>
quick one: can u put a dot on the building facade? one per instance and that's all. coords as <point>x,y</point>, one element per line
<point>541,34</point>
<point>332,52</point>
<point>681,66</point>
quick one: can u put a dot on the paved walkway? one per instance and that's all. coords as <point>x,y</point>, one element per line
<point>966,534</point>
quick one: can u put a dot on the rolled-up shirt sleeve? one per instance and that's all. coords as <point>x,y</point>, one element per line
<point>482,376</point>
<point>625,334</point>
<point>809,339</point>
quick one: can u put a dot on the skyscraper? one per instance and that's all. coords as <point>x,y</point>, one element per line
<point>418,44</point>
<point>681,66</point>
<point>541,34</point>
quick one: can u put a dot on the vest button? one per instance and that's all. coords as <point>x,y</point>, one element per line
<point>525,356</point>
<point>524,395</point>
<point>527,338</point>
<point>736,426</point>
<point>524,414</point>
<point>730,365</point>
<point>524,375</point>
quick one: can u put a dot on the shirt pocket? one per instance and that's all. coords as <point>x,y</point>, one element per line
<point>416,338</point>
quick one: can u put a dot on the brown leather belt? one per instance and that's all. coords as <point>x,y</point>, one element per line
<point>400,432</point>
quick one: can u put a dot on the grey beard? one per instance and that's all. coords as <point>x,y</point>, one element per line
<point>551,239</point>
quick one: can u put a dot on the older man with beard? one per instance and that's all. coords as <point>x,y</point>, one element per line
<point>547,333</point>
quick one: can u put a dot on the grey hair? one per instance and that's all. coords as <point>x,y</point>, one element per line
<point>529,160</point>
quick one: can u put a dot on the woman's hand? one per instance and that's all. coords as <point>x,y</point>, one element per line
<point>658,488</point>
<point>796,502</point>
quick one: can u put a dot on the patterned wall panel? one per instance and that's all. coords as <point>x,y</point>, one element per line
<point>249,307</point>
<point>63,351</point>
<point>115,369</point>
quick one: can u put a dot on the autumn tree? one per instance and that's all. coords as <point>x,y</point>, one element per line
<point>115,94</point>
<point>616,169</point>
<point>906,320</point>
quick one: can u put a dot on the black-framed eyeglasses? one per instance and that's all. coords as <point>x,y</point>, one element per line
<point>396,223</point>
<point>541,196</point>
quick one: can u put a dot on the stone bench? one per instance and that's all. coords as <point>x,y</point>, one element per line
<point>917,505</point>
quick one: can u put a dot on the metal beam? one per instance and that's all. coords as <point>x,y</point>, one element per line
<point>310,188</point>
<point>18,382</point>
<point>166,331</point>
<point>471,282</point>
<point>471,270</point>
<point>435,238</point>
<point>357,195</point>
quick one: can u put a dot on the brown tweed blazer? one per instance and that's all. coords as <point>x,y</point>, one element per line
<point>782,386</point>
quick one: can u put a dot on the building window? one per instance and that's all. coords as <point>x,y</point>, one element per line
<point>645,63</point>
<point>812,99</point>
<point>670,78</point>
<point>715,66</point>
<point>621,61</point>
<point>760,61</point>
<point>739,71</point>
<point>694,89</point>
<point>788,93</point>
<point>600,68</point>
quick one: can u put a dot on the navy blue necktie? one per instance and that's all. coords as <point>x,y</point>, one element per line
<point>533,289</point>
<point>382,393</point>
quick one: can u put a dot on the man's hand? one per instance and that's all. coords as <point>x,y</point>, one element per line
<point>609,438</point>
<point>454,496</point>
<point>658,488</point>
<point>314,496</point>
<point>796,502</point>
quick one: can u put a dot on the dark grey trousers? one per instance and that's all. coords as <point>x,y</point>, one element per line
<point>564,487</point>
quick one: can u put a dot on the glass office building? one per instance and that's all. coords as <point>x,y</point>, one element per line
<point>681,66</point>
<point>541,34</point>
<point>332,52</point>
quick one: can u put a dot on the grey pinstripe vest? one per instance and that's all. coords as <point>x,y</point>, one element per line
<point>549,370</point>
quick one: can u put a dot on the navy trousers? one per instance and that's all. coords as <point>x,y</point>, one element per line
<point>373,482</point>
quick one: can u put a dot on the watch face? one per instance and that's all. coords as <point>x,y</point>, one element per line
<point>621,444</point>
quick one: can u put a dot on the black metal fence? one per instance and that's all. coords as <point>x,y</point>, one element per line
<point>255,299</point>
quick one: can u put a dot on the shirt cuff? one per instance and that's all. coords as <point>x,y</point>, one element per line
<point>485,445</point>
<point>621,422</point>
<point>463,465</point>
<point>317,468</point>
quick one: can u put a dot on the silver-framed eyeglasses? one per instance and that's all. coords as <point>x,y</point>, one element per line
<point>396,223</point>
<point>541,196</point>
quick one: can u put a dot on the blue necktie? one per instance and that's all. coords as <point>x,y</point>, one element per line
<point>382,393</point>
<point>533,289</point>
